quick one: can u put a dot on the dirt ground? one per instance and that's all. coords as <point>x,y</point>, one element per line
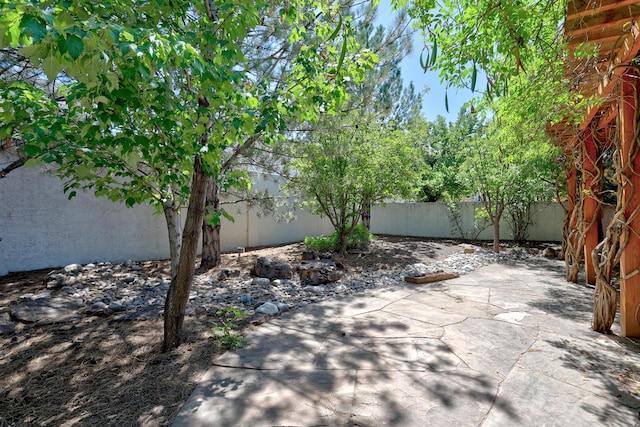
<point>98,371</point>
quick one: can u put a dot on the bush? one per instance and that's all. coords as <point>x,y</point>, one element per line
<point>359,239</point>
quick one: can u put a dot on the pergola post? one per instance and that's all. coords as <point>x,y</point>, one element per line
<point>630,259</point>
<point>590,203</point>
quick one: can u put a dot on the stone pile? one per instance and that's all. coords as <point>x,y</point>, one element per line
<point>123,292</point>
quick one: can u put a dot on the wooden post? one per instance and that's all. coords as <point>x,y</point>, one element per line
<point>630,259</point>
<point>590,204</point>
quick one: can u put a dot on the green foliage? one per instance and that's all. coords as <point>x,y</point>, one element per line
<point>229,318</point>
<point>443,145</point>
<point>149,86</point>
<point>358,239</point>
<point>342,170</point>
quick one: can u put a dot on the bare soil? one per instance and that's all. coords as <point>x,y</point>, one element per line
<point>98,371</point>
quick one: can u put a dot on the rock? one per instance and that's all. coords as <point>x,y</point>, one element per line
<point>129,278</point>
<point>467,248</point>
<point>6,325</point>
<point>272,269</point>
<point>59,309</point>
<point>340,288</point>
<point>227,273</point>
<point>268,308</point>
<point>116,307</point>
<point>318,273</point>
<point>260,281</point>
<point>55,280</point>
<point>550,253</point>
<point>315,289</point>
<point>72,268</point>
<point>245,299</point>
<point>310,256</point>
<point>282,307</point>
<point>419,269</point>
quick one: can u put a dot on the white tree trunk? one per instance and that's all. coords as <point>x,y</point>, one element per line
<point>174,228</point>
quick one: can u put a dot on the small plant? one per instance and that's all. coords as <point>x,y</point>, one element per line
<point>229,318</point>
<point>321,243</point>
<point>359,239</point>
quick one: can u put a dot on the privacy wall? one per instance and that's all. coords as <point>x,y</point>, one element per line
<point>41,228</point>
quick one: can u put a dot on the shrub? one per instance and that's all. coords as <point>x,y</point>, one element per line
<point>359,239</point>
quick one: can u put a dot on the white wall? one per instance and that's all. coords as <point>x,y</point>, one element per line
<point>41,228</point>
<point>432,220</point>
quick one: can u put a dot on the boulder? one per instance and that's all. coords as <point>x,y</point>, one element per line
<point>6,325</point>
<point>58,309</point>
<point>318,273</point>
<point>550,253</point>
<point>268,308</point>
<point>272,269</point>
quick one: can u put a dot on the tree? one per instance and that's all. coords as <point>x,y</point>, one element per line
<point>341,170</point>
<point>509,164</point>
<point>271,57</point>
<point>443,147</point>
<point>152,99</point>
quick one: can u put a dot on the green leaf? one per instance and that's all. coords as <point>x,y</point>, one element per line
<point>337,30</point>
<point>50,65</point>
<point>73,45</point>
<point>33,27</point>
<point>342,55</point>
<point>434,53</point>
<point>33,161</point>
<point>422,64</point>
<point>474,76</point>
<point>446,100</point>
<point>82,172</point>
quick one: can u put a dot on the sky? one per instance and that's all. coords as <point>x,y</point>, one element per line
<point>433,101</point>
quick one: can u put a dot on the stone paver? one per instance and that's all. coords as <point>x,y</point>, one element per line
<point>504,345</point>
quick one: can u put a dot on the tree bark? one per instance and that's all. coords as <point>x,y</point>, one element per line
<point>366,215</point>
<point>211,254</point>
<point>496,234</point>
<point>174,228</point>
<point>178,294</point>
<point>342,236</point>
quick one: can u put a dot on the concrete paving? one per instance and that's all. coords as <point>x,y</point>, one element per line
<point>504,345</point>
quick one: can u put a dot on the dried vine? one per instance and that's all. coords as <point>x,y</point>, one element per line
<point>608,253</point>
<point>573,237</point>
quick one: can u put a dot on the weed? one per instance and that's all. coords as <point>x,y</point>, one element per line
<point>229,319</point>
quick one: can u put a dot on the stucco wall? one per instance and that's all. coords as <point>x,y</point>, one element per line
<point>41,228</point>
<point>433,220</point>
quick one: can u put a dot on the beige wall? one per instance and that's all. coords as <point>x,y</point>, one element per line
<point>41,228</point>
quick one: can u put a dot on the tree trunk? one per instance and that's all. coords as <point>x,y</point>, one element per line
<point>496,234</point>
<point>211,234</point>
<point>178,294</point>
<point>174,228</point>
<point>366,215</point>
<point>342,236</point>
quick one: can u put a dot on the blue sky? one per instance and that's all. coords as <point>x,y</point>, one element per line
<point>433,101</point>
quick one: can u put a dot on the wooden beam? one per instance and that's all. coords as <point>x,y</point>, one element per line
<point>578,9</point>
<point>607,85</point>
<point>590,187</point>
<point>630,259</point>
<point>594,28</point>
